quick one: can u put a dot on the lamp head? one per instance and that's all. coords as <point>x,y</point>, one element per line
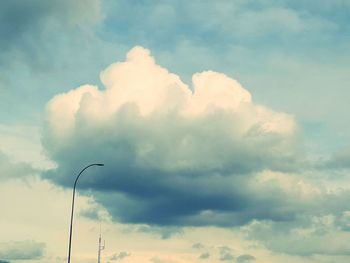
<point>100,164</point>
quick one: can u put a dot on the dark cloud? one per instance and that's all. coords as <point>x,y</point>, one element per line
<point>4,261</point>
<point>170,200</point>
<point>245,258</point>
<point>22,250</point>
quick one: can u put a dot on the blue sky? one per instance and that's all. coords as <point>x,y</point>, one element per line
<point>270,164</point>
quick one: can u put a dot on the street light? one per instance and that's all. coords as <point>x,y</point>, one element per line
<point>71,216</point>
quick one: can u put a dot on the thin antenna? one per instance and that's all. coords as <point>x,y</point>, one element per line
<point>100,247</point>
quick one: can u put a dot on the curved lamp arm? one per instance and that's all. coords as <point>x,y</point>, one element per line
<point>72,212</point>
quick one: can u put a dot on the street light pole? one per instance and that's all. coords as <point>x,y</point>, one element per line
<point>71,216</point>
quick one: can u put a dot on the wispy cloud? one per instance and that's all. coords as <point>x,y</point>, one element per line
<point>21,250</point>
<point>204,255</point>
<point>10,170</point>
<point>119,256</point>
<point>245,258</point>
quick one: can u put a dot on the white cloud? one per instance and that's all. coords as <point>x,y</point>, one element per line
<point>154,94</point>
<point>157,136</point>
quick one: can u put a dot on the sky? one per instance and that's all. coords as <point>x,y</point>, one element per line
<point>223,127</point>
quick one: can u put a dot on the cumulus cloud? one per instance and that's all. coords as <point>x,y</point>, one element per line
<point>174,154</point>
<point>21,250</point>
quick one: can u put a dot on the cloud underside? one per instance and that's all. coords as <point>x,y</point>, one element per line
<point>174,154</point>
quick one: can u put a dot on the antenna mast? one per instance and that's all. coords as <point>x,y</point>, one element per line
<point>100,247</point>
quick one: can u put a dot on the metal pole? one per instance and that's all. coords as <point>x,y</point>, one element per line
<point>72,212</point>
<point>100,247</point>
